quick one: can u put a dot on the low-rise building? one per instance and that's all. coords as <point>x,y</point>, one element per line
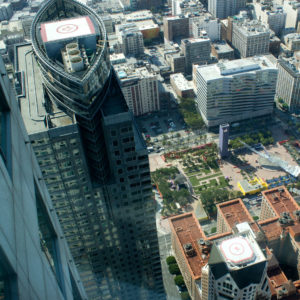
<point>292,41</point>
<point>181,86</point>
<point>222,50</point>
<point>176,62</point>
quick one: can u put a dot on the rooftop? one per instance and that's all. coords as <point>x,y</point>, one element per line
<point>235,212</point>
<point>281,201</point>
<point>32,101</point>
<point>187,230</point>
<point>68,28</point>
<point>222,47</point>
<point>180,81</point>
<point>251,28</point>
<point>271,228</point>
<point>233,67</point>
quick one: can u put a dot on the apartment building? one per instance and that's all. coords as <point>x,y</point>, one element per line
<point>222,9</point>
<point>196,51</point>
<point>250,38</point>
<point>140,88</point>
<point>207,23</point>
<point>176,27</point>
<point>288,83</point>
<point>236,90</point>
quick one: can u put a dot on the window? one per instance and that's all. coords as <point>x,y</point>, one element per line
<point>48,238</point>
<point>4,128</point>
<point>8,280</point>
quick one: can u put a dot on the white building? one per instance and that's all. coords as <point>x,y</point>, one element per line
<point>236,269</point>
<point>209,24</point>
<point>288,83</point>
<point>292,9</point>
<point>140,88</point>
<point>224,8</point>
<point>250,37</point>
<point>35,261</point>
<point>131,38</point>
<point>236,90</point>
<point>292,41</point>
<point>274,17</point>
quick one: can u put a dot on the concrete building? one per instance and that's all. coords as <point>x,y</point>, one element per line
<point>237,262</point>
<point>250,38</point>
<point>292,41</point>
<point>209,24</point>
<point>292,9</point>
<point>176,27</point>
<point>236,90</point>
<point>222,50</point>
<point>288,83</point>
<point>140,88</point>
<point>181,86</point>
<point>6,11</point>
<point>92,156</point>
<point>35,260</point>
<point>131,39</point>
<point>186,7</point>
<point>176,62</point>
<point>222,9</point>
<point>273,16</point>
<point>196,51</point>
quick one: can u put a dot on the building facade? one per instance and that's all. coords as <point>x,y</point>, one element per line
<point>140,89</point>
<point>91,153</point>
<point>35,261</point>
<point>207,23</point>
<point>176,27</point>
<point>250,38</point>
<point>288,83</point>
<point>222,9</point>
<point>196,51</point>
<point>236,90</point>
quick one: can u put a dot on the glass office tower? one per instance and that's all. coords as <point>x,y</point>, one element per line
<point>91,153</point>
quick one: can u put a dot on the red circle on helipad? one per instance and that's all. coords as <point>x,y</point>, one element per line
<point>237,250</point>
<point>67,28</point>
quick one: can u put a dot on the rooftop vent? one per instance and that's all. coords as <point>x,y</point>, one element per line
<point>189,250</point>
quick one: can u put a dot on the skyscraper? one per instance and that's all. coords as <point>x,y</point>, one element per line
<point>35,262</point>
<point>91,153</point>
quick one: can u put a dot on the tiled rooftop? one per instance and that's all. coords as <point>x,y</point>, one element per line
<point>281,201</point>
<point>186,229</point>
<point>235,212</point>
<point>271,228</point>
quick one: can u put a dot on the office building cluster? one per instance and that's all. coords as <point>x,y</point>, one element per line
<point>245,258</point>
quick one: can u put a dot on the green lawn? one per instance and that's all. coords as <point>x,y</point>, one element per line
<point>223,182</point>
<point>194,181</point>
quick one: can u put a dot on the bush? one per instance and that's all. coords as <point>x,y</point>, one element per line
<point>213,230</point>
<point>185,296</point>
<point>255,218</point>
<point>174,269</point>
<point>170,260</point>
<point>179,280</point>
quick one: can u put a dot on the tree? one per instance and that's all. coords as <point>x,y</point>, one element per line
<point>185,296</point>
<point>174,269</point>
<point>213,230</point>
<point>170,260</point>
<point>178,279</point>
